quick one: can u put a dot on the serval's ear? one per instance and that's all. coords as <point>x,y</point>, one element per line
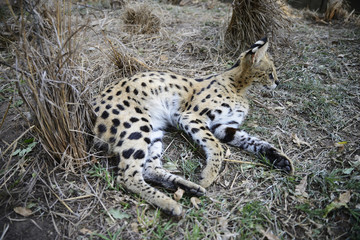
<point>257,51</point>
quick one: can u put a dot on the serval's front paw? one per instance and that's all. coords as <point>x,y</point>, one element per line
<point>279,160</point>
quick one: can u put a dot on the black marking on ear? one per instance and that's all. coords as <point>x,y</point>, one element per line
<point>259,44</point>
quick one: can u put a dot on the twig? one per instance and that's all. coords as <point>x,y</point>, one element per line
<point>79,197</point>
<point>61,201</point>
<point>6,227</point>
<point>102,204</point>
<point>245,162</point>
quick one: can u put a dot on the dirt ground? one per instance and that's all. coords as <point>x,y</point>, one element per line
<point>313,116</point>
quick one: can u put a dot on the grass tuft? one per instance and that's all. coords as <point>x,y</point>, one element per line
<point>140,19</point>
<point>52,82</point>
<point>252,20</point>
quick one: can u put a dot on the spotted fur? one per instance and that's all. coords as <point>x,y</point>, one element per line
<point>133,113</point>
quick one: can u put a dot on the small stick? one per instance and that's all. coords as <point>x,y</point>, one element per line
<point>245,162</point>
<point>79,197</point>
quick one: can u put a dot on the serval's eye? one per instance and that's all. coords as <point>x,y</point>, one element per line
<point>271,76</point>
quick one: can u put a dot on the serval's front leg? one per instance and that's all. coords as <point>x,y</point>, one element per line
<point>243,140</point>
<point>200,133</point>
<point>154,172</point>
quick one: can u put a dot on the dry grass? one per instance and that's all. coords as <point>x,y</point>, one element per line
<point>253,19</point>
<point>336,9</point>
<point>54,83</point>
<point>313,116</point>
<point>140,19</point>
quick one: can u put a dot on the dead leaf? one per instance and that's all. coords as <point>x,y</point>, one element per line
<point>178,194</point>
<point>340,146</point>
<point>163,58</point>
<point>85,231</point>
<point>227,153</point>
<point>300,190</point>
<point>25,212</point>
<point>134,227</point>
<point>195,201</point>
<point>298,141</point>
<point>345,197</point>
<point>290,104</point>
<point>342,201</point>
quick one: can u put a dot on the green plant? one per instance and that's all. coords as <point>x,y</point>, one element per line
<point>21,152</point>
<point>109,236</point>
<point>103,173</point>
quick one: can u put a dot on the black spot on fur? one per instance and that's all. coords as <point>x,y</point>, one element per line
<point>122,134</point>
<point>116,122</point>
<point>173,76</point>
<point>135,136</point>
<point>118,93</point>
<point>110,98</point>
<point>104,115</point>
<point>127,89</point>
<point>134,119</point>
<point>120,107</point>
<point>101,128</point>
<point>143,84</point>
<point>225,105</point>
<point>97,109</point>
<point>119,143</point>
<point>144,119</point>
<point>127,125</point>
<point>203,111</point>
<point>127,153</point>
<point>113,130</point>
<point>116,112</point>
<point>126,103</point>
<point>136,92</point>
<point>194,130</point>
<point>210,115</point>
<point>138,110</point>
<point>147,140</point>
<point>145,128</point>
<point>139,154</point>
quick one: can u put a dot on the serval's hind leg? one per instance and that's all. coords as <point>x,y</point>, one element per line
<point>133,154</point>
